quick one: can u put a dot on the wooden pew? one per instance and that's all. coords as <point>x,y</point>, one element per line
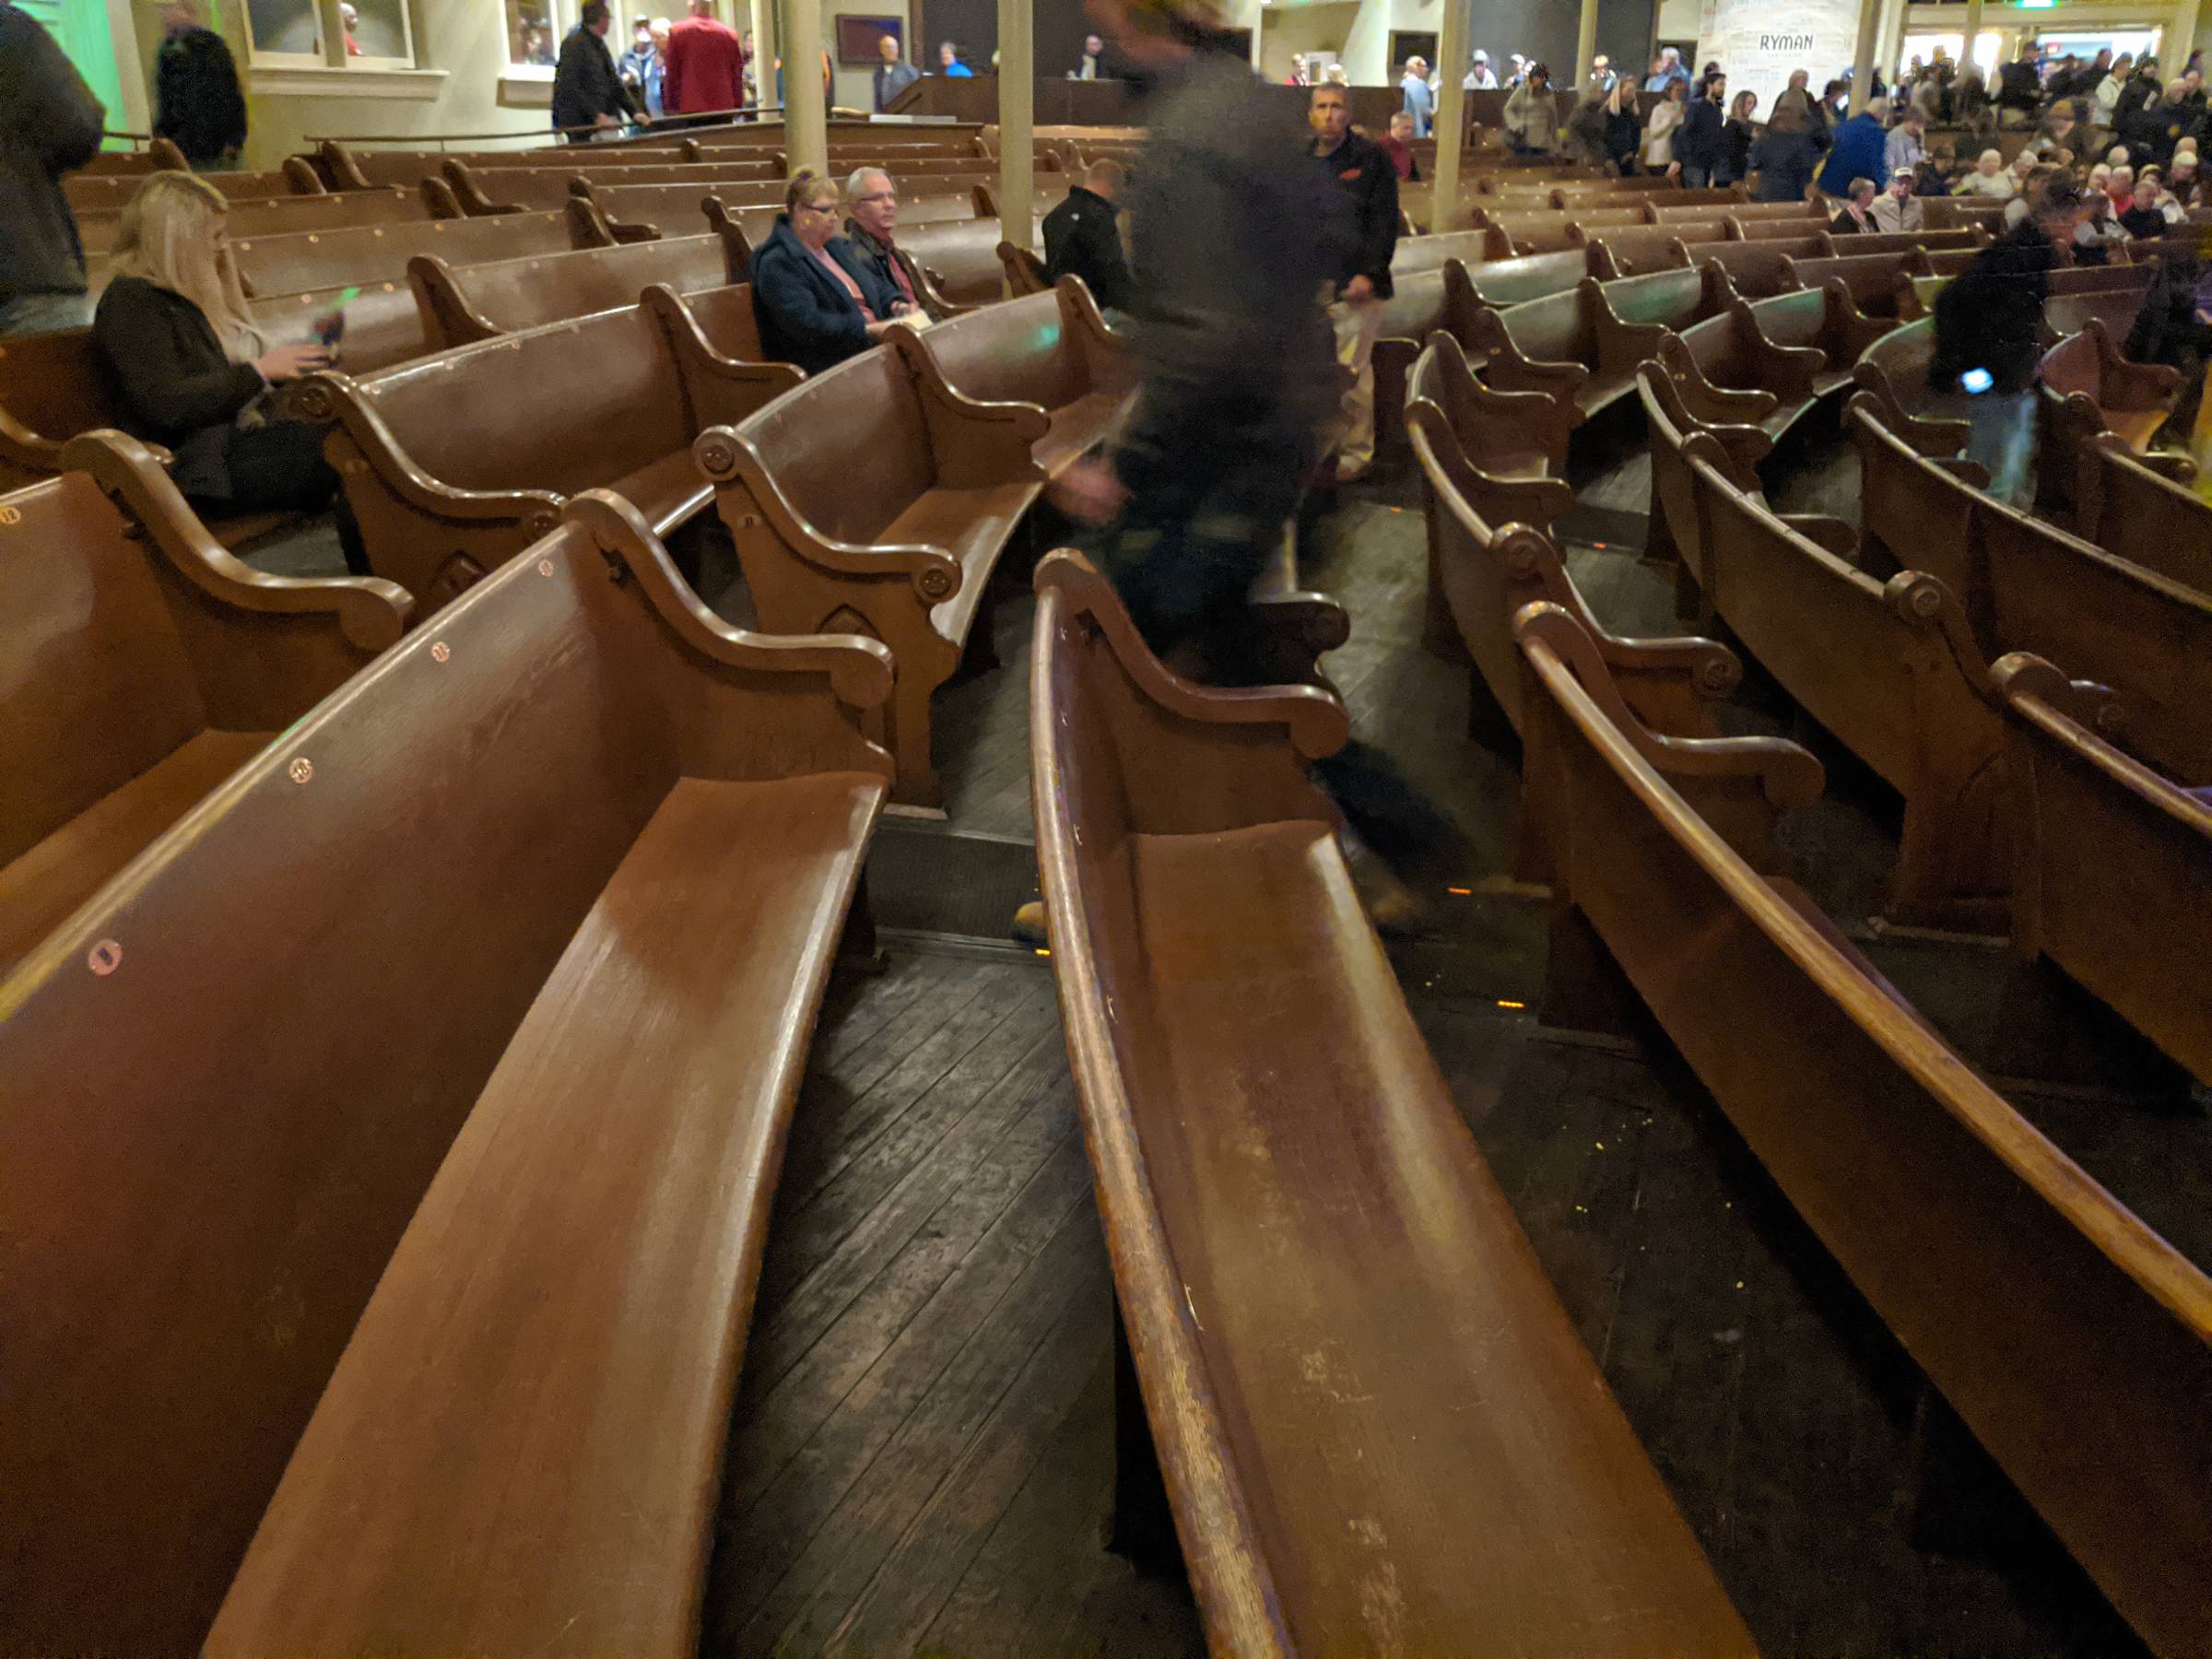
<point>383,323</point>
<point>1677,532</point>
<point>1552,232</point>
<point>1951,213</point>
<point>508,296</point>
<point>107,192</point>
<point>1171,821</point>
<point>960,256</point>
<point>2075,1343</point>
<point>1052,349</point>
<point>1791,350</point>
<point>2027,586</point>
<point>1423,303</point>
<point>347,169</point>
<point>438,902</point>
<point>1880,283</point>
<point>1490,554</point>
<point>1637,251</point>
<point>1757,269</point>
<point>1967,242</point>
<point>367,253</point>
<point>448,485</point>
<point>1891,669</point>
<point>1507,449</point>
<point>1669,207</point>
<point>1414,254</point>
<point>1025,271</point>
<point>1582,348</point>
<point>675,209</point>
<point>2111,498</point>
<point>141,665</point>
<point>1498,283</point>
<point>484,191</point>
<point>868,499</point>
<point>2112,863</point>
<point>2130,400</point>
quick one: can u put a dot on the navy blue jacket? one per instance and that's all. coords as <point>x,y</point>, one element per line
<point>1704,140</point>
<point>1856,154</point>
<point>806,315</point>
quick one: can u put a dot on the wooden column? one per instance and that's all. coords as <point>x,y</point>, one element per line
<point>806,130</point>
<point>2181,39</point>
<point>1974,33</point>
<point>1450,108</point>
<point>1585,47</point>
<point>1017,123</point>
<point>763,20</point>
<point>1861,65</point>
<point>1893,41</point>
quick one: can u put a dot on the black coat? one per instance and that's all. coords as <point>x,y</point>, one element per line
<point>585,85</point>
<point>806,315</point>
<point>197,104</point>
<point>49,124</point>
<point>1704,140</point>
<point>1363,173</point>
<point>1991,316</point>
<point>1081,240</point>
<point>170,380</point>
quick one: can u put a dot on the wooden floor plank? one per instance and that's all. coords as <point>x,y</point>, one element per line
<point>769,1525</point>
<point>930,1448</point>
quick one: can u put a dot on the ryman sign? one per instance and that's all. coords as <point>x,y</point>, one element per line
<point>1758,42</point>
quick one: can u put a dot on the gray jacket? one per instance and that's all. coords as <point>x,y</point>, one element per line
<point>50,124</point>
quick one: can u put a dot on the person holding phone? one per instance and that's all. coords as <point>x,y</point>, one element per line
<point>192,372</point>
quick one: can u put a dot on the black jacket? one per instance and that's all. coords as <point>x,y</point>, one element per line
<point>170,382</point>
<point>197,104</point>
<point>49,124</point>
<point>1991,316</point>
<point>585,85</point>
<point>2018,86</point>
<point>1081,240</point>
<point>806,315</point>
<point>1364,173</point>
<point>1704,140</point>
<point>878,258</point>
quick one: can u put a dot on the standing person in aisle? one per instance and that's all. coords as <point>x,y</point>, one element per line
<point>893,74</point>
<point>197,104</point>
<point>1701,147</point>
<point>587,89</point>
<point>1363,174</point>
<point>706,64</point>
<point>50,124</point>
<point>1419,99</point>
<point>1083,239</point>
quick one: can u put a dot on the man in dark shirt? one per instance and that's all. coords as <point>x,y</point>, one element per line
<point>587,92</point>
<point>2020,87</point>
<point>1081,238</point>
<point>197,105</point>
<point>893,75</point>
<point>1364,174</point>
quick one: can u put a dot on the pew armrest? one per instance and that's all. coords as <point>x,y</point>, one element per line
<point>860,669</point>
<point>727,459</point>
<point>1964,470</point>
<point>2127,385</point>
<point>1934,439</point>
<point>1707,666</point>
<point>1314,721</point>
<point>1785,372</point>
<point>1622,346</point>
<point>1847,329</point>
<point>1507,370</point>
<point>1707,404</point>
<point>1504,413</point>
<point>1301,627</point>
<point>977,443</point>
<point>29,451</point>
<point>724,389</point>
<point>1105,350</point>
<point>308,634</point>
<point>331,396</point>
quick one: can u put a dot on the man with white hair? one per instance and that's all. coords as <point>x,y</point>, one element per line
<point>1666,70</point>
<point>1481,78</point>
<point>1990,178</point>
<point>872,232</point>
<point>1420,100</point>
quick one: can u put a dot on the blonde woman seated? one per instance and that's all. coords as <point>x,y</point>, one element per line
<point>192,373</point>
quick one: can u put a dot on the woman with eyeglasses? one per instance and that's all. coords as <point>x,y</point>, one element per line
<point>817,302</point>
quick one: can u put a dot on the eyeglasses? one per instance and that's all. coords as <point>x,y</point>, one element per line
<point>877,195</point>
<point>824,207</point>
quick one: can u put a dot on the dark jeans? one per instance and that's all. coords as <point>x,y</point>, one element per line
<point>279,468</point>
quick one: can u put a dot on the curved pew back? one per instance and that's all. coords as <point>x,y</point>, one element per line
<point>1171,820</point>
<point>2074,1342</point>
<point>507,296</point>
<point>288,265</point>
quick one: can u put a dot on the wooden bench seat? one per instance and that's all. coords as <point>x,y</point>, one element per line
<point>347,169</point>
<point>1757,269</point>
<point>638,212</point>
<point>1490,554</point>
<point>446,898</point>
<point>2026,585</point>
<point>1934,242</point>
<point>142,665</point>
<point>2130,400</point>
<point>369,253</point>
<point>476,303</point>
<point>1414,254</point>
<point>868,500</point>
<point>1332,1411</point>
<point>1548,232</point>
<point>1639,250</point>
<point>2112,863</point>
<point>488,191</point>
<point>1668,207</point>
<point>2074,1342</point>
<point>1498,282</point>
<point>280,216</point>
<point>383,322</point>
<point>1052,349</point>
<point>960,256</point>
<point>447,485</point>
<point>1891,668</point>
<point>1675,535</point>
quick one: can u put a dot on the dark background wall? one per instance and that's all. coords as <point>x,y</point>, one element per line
<point>1539,29</point>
